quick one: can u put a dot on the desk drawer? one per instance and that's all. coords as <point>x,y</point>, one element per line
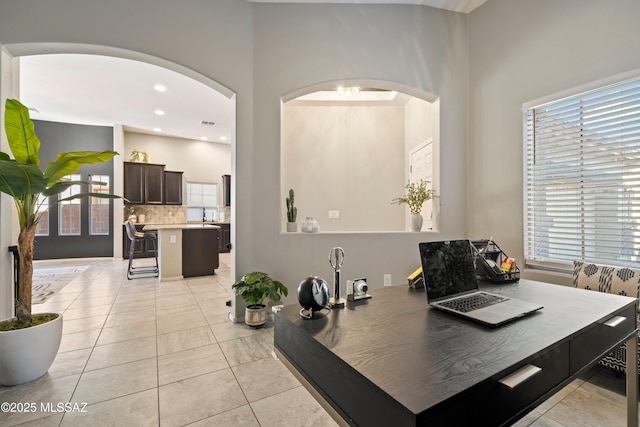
<point>594,343</point>
<point>494,403</point>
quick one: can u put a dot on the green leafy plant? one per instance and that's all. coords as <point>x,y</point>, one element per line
<point>257,287</point>
<point>417,193</point>
<point>28,185</point>
<point>139,156</point>
<point>292,211</point>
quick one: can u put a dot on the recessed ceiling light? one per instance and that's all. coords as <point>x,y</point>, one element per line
<point>159,112</point>
<point>160,88</point>
<point>157,130</point>
<point>204,138</point>
<point>223,138</point>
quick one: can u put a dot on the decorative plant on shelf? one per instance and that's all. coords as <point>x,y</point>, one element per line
<point>28,185</point>
<point>255,288</point>
<point>416,194</point>
<point>292,212</point>
<point>139,156</point>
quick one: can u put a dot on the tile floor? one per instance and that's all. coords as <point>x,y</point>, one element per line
<point>147,353</point>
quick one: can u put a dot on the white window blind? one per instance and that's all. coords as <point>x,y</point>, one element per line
<point>582,178</point>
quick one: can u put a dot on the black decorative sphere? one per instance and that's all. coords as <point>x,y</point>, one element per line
<point>313,293</point>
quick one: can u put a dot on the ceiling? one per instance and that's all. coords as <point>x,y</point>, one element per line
<point>103,91</point>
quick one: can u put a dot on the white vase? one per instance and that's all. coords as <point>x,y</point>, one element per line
<point>416,222</point>
<point>27,354</point>
<point>310,225</point>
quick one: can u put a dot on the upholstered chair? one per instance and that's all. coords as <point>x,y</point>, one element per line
<point>613,280</point>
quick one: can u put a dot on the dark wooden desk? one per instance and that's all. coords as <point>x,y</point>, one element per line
<point>392,360</point>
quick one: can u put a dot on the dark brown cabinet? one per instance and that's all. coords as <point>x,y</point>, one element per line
<point>142,249</point>
<point>226,190</point>
<point>200,251</point>
<point>143,183</point>
<point>172,188</point>
<point>153,184</point>
<point>150,184</point>
<point>134,183</point>
<point>225,236</point>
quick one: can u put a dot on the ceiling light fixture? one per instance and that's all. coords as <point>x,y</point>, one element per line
<point>204,138</point>
<point>223,138</point>
<point>159,112</point>
<point>160,88</point>
<point>157,130</point>
<point>347,91</point>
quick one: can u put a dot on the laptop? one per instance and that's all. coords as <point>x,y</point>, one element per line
<point>451,284</point>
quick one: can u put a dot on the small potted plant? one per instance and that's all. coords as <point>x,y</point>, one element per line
<point>255,288</point>
<point>417,193</point>
<point>29,344</point>
<point>292,213</point>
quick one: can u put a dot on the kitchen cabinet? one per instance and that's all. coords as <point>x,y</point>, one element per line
<point>226,190</point>
<point>134,183</point>
<point>142,249</point>
<point>143,183</point>
<point>200,251</point>
<point>150,184</point>
<point>225,236</point>
<point>153,184</point>
<point>172,188</point>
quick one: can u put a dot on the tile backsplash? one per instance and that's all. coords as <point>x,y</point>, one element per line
<point>158,214</point>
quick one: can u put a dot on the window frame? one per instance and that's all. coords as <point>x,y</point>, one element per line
<point>565,265</point>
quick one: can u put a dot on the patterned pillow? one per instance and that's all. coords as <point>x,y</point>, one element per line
<point>613,280</point>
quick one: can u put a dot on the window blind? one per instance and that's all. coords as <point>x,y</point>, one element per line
<point>582,178</point>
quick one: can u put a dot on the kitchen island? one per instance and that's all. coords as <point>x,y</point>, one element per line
<point>186,249</point>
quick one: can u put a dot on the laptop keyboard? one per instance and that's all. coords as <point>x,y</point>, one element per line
<point>472,302</point>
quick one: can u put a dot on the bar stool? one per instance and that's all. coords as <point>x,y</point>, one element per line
<point>134,236</point>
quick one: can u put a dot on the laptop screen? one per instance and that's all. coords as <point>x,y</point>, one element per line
<point>447,268</point>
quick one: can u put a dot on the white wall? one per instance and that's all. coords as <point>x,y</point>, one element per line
<point>522,50</point>
<point>201,161</point>
<point>300,45</point>
<point>9,224</point>
<point>261,52</point>
<point>346,158</point>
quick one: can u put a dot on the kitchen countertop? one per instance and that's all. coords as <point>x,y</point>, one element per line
<point>181,226</point>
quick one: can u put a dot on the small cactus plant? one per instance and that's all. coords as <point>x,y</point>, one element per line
<point>292,211</point>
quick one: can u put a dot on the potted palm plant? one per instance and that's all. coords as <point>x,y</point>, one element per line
<point>255,288</point>
<point>417,193</point>
<point>29,343</point>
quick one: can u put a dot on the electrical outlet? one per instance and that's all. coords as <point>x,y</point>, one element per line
<point>387,280</point>
<point>172,238</point>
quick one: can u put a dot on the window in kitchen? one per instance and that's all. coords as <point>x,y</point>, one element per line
<point>202,201</point>
<point>582,177</point>
<point>69,218</point>
<point>99,219</point>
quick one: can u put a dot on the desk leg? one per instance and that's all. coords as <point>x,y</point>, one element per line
<point>632,381</point>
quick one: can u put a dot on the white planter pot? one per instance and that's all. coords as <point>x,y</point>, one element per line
<point>416,222</point>
<point>27,354</point>
<point>292,227</point>
<point>255,315</point>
